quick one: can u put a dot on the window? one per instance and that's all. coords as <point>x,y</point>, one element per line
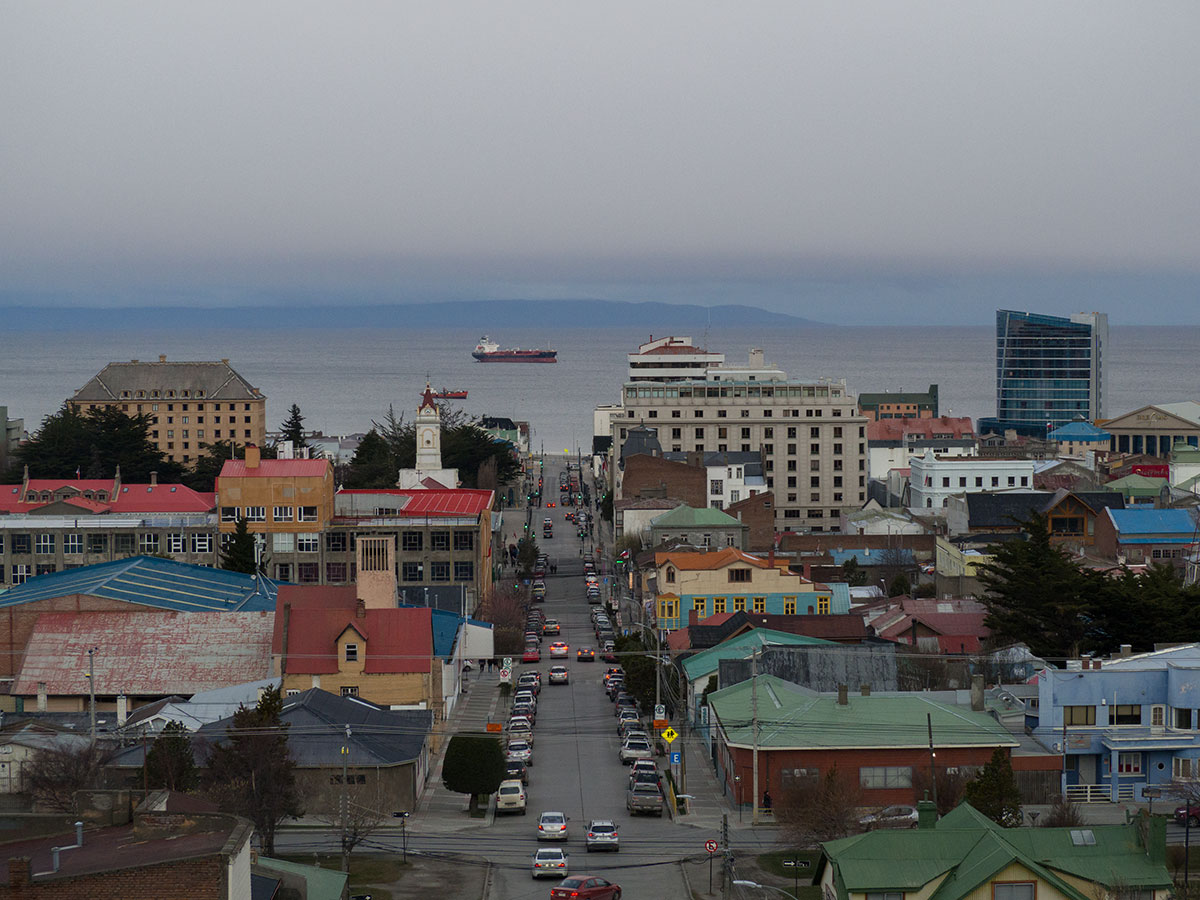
<point>44,543</point>
<point>716,486</point>
<point>412,571</point>
<point>351,652</point>
<point>439,571</point>
<point>282,513</point>
<point>1158,716</point>
<point>283,571</point>
<point>1124,714</point>
<point>439,540</point>
<point>789,606</point>
<point>307,513</point>
<point>670,575</point>
<point>739,604</point>
<point>350,690</point>
<point>464,571</point>
<point>1079,715</point>
<point>1129,763</point>
<point>284,542</point>
<point>335,541</point>
<point>760,604</point>
<point>885,895</point>
<point>97,543</point>
<point>45,569</point>
<point>411,541</point>
<point>20,573</point>
<point>308,573</point>
<point>464,540</point>
<point>202,543</point>
<point>72,543</point>
<point>1014,890</point>
<point>668,609</point>
<point>335,572</point>
<point>229,513</point>
<point>718,605</point>
<point>176,543</point>
<point>880,777</point>
<point>256,514</point>
<point>148,542</point>
<point>822,606</point>
<point>700,605</point>
<point>1185,767</point>
<point>309,542</point>
<point>123,543</point>
<point>739,575</point>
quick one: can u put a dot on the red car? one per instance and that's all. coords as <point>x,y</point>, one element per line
<point>586,887</point>
<point>531,654</point>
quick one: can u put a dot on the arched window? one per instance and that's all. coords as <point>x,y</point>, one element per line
<point>670,574</point>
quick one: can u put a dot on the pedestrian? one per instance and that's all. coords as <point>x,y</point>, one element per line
<point>766,804</point>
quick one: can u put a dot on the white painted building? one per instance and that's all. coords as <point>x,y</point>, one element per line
<point>933,480</point>
<point>671,359</point>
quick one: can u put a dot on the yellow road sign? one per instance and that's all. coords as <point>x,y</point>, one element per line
<point>669,735</point>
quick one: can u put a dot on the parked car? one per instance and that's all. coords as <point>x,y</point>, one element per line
<point>515,768</point>
<point>522,750</point>
<point>511,797</point>
<point>635,748</point>
<point>552,826</point>
<point>559,675</point>
<point>602,835</point>
<point>890,817</point>
<point>531,655</point>
<point>644,799</point>
<point>549,862</point>
<point>1184,813</point>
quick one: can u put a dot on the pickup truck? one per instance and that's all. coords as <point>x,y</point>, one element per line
<point>645,799</point>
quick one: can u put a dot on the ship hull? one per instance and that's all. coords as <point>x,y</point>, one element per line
<point>531,356</point>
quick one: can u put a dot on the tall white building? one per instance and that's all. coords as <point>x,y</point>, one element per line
<point>671,359</point>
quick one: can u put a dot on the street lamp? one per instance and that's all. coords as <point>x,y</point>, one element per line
<point>403,817</point>
<point>737,789</point>
<point>740,882</point>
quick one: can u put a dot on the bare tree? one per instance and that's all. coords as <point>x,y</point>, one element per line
<point>1062,814</point>
<point>355,810</point>
<point>950,787</point>
<point>820,809</point>
<point>505,609</point>
<point>55,775</point>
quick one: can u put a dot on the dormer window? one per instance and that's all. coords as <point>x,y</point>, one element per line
<point>101,496</point>
<point>170,393</point>
<point>154,393</point>
<point>352,653</point>
<point>124,395</point>
<point>670,574</point>
<point>141,394</point>
<point>187,393</point>
<point>199,393</point>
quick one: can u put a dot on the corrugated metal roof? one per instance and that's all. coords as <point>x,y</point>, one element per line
<point>1178,522</point>
<point>130,499</point>
<point>420,502</point>
<point>741,647</point>
<point>154,582</point>
<point>148,654</point>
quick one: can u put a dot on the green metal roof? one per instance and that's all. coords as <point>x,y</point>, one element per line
<point>790,717</point>
<point>969,850</point>
<point>1137,485</point>
<point>691,517</point>
<point>321,883</point>
<point>707,661</point>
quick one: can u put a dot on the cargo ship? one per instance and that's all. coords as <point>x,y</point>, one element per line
<point>489,351</point>
<point>450,395</point>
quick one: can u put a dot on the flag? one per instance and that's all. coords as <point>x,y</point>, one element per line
<point>77,471</point>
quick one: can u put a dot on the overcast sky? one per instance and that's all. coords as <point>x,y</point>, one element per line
<point>958,155</point>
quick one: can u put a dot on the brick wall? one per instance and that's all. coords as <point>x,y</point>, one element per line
<point>193,879</point>
<point>652,476</point>
<point>759,513</point>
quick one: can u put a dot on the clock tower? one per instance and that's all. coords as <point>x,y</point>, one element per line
<point>429,433</point>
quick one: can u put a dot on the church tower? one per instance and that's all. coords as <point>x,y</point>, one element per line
<point>429,433</point>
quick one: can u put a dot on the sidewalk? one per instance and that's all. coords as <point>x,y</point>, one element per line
<point>708,804</point>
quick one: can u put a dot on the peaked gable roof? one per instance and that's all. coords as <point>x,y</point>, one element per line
<point>698,561</point>
<point>685,516</point>
<point>1186,413</point>
<point>398,641</point>
<point>741,646</point>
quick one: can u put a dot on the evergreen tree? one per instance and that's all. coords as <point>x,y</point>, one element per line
<point>170,763</point>
<point>239,555</point>
<point>293,428</point>
<point>251,773</point>
<point>854,574</point>
<point>899,586</point>
<point>374,464</point>
<point>527,554</point>
<point>474,765</point>
<point>994,791</point>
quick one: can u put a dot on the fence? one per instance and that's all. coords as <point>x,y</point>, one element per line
<point>1097,793</point>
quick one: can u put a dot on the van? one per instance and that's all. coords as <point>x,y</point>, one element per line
<point>511,797</point>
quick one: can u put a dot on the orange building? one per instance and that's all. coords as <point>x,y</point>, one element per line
<point>275,496</point>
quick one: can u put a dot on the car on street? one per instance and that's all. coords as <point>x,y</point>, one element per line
<point>531,655</point>
<point>511,797</point>
<point>645,765</point>
<point>890,817</point>
<point>515,768</point>
<point>559,675</point>
<point>1188,812</point>
<point>559,650</point>
<point>635,748</point>
<point>549,862</point>
<point>586,887</point>
<point>586,654</point>
<point>552,826</point>
<point>522,750</point>
<point>520,727</point>
<point>602,834</point>
<point>644,799</point>
<point>609,652</point>
<point>530,681</point>
<point>551,626</point>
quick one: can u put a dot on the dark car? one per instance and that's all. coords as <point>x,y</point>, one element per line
<point>516,768</point>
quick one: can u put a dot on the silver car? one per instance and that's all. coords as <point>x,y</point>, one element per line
<point>549,862</point>
<point>552,826</point>
<point>635,748</point>
<point>522,750</point>
<point>602,835</point>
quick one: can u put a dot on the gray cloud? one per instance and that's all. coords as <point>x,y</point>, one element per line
<point>549,147</point>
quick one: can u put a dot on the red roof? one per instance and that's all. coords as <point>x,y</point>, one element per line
<point>276,468</point>
<point>163,498</point>
<point>132,498</point>
<point>898,429</point>
<point>398,641</point>
<point>436,501</point>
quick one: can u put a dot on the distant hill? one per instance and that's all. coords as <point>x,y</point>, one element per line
<point>480,315</point>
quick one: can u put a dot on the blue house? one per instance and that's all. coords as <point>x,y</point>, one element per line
<point>1127,724</point>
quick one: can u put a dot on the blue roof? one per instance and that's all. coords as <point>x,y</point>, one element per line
<point>1079,431</point>
<point>1153,521</point>
<point>445,628</point>
<point>153,582</point>
<point>839,601</point>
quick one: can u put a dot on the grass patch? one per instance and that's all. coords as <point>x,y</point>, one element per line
<point>364,869</point>
<point>772,863</point>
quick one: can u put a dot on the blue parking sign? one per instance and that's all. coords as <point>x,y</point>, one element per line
<point>676,758</point>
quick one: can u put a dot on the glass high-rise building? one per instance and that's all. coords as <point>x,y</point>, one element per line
<point>1049,370</point>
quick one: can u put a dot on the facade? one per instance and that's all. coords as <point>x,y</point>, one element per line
<point>633,517</point>
<point>11,433</point>
<point>699,584</point>
<point>671,359</point>
<point>812,441</point>
<point>275,496</point>
<point>652,476</point>
<point>189,403</point>
<point>1049,370</point>
<point>1184,471</point>
<point>966,856</point>
<point>1080,440</point>
<point>1130,724</point>
<point>934,480</point>
<point>899,405</point>
<point>891,443</point>
<point>1155,430</point>
<point>1143,536</point>
<point>704,527</point>
<point>1070,517</point>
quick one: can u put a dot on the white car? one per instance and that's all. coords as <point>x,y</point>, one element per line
<point>559,675</point>
<point>521,749</point>
<point>549,862</point>
<point>511,797</point>
<point>635,748</point>
<point>552,826</point>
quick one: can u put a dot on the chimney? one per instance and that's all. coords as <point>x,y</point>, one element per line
<point>253,456</point>
<point>162,357</point>
<point>977,693</point>
<point>41,697</point>
<point>122,709</point>
<point>1085,663</point>
<point>770,555</point>
<point>1126,651</point>
<point>376,558</point>
<point>865,690</point>
<point>757,358</point>
<point>1095,665</point>
<point>153,478</point>
<point>693,616</point>
<point>360,609</point>
<point>926,813</point>
<point>843,695</point>
<point>283,639</point>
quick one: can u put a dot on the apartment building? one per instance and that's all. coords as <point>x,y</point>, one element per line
<point>812,440</point>
<point>933,480</point>
<point>189,403</point>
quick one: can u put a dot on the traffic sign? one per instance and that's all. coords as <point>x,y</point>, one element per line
<point>508,662</point>
<point>710,846</point>
<point>669,735</point>
<point>505,673</point>
<point>796,863</point>
<point>660,711</point>
<point>660,724</point>
<point>494,727</point>
<point>676,758</point>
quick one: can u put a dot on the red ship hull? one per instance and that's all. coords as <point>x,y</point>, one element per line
<point>517,356</point>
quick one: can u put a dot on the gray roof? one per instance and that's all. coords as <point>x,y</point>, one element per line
<point>217,380</point>
<point>1000,510</point>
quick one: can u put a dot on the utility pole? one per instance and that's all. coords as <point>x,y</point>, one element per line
<point>754,736</point>
<point>727,856</point>
<point>932,772</point>
<point>92,688</point>
<point>345,801</point>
